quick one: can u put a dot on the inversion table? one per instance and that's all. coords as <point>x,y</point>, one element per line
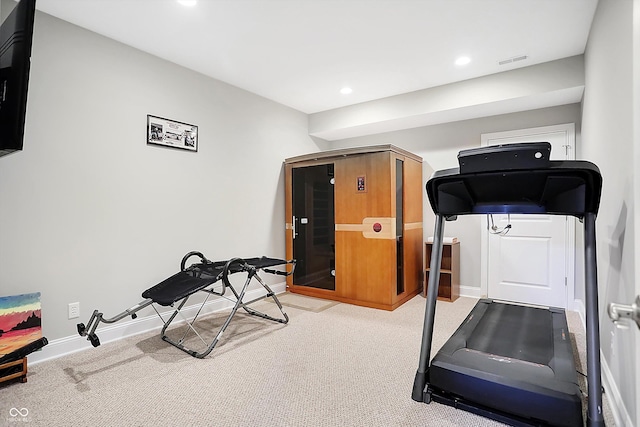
<point>210,277</point>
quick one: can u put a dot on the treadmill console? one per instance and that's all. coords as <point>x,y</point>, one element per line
<point>528,155</point>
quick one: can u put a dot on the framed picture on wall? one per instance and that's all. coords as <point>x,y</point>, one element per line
<point>170,133</point>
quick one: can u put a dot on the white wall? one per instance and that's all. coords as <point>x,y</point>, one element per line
<point>608,140</point>
<point>439,146</point>
<point>90,213</point>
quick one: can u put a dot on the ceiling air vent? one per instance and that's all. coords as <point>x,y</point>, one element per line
<point>513,59</point>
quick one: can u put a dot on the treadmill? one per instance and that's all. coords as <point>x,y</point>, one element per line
<point>513,363</point>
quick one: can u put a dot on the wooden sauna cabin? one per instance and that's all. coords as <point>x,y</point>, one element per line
<point>354,225</point>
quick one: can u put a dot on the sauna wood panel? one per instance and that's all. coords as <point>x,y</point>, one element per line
<point>288,215</point>
<point>353,206</point>
<point>365,268</point>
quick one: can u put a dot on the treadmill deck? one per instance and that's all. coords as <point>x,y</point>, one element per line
<point>522,354</point>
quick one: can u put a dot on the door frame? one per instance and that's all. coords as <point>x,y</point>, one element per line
<point>570,250</point>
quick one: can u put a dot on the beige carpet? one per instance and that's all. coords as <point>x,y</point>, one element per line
<point>304,302</point>
<point>342,366</point>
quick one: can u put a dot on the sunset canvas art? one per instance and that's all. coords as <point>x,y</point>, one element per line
<point>20,321</point>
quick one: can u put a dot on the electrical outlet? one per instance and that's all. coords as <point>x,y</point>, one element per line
<point>74,310</point>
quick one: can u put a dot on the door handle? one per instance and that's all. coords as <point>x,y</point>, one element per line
<point>293,226</point>
<point>620,311</point>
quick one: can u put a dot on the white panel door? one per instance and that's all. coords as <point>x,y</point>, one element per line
<point>534,261</point>
<point>527,264</point>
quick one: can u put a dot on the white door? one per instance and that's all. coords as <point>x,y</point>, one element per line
<point>534,261</point>
<point>637,339</point>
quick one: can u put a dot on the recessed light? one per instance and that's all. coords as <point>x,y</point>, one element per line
<point>346,90</point>
<point>189,3</point>
<point>463,60</point>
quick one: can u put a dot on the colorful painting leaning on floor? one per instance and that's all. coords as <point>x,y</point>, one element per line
<point>20,321</point>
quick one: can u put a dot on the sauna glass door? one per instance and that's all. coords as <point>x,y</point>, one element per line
<point>314,226</point>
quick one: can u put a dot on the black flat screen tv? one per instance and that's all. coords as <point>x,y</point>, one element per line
<point>16,35</point>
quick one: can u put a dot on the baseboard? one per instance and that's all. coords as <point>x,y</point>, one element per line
<point>71,344</point>
<point>470,291</point>
<point>618,409</point>
<point>578,306</point>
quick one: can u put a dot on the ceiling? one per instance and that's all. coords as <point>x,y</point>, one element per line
<point>300,53</point>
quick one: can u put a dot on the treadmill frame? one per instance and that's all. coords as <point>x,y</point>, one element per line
<point>575,188</point>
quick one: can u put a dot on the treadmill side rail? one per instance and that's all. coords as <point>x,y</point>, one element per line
<point>595,415</point>
<point>421,378</point>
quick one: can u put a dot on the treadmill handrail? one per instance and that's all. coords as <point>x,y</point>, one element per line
<point>565,187</point>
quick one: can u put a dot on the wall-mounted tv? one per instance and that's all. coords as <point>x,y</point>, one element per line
<point>16,35</point>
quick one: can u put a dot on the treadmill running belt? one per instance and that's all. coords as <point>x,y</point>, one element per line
<point>523,333</point>
<point>513,359</point>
